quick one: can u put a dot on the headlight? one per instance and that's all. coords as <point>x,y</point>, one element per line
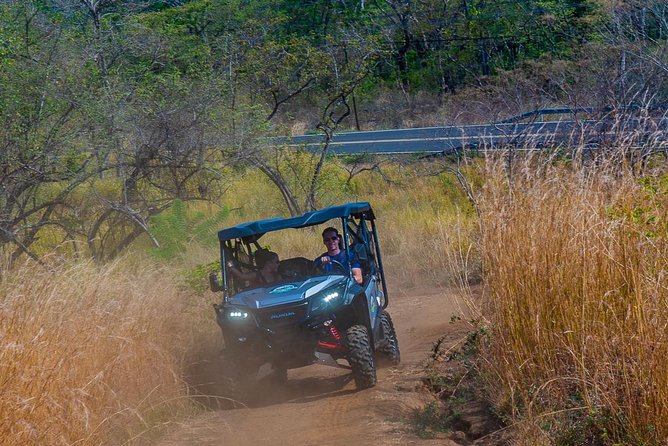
<point>235,314</point>
<point>328,298</point>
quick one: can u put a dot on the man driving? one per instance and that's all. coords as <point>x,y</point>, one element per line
<point>332,241</point>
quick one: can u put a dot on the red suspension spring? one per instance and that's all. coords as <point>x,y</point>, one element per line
<point>334,332</point>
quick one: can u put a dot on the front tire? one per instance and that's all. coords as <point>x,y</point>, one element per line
<point>236,378</point>
<point>360,356</point>
<point>388,348</point>
<point>279,376</point>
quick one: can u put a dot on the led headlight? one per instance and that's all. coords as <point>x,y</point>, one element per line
<point>236,314</point>
<point>328,298</point>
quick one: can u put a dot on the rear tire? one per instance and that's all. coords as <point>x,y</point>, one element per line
<point>388,348</point>
<point>360,356</point>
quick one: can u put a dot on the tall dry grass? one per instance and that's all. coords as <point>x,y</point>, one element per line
<point>576,263</point>
<point>92,355</point>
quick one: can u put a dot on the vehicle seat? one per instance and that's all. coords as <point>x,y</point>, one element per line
<point>362,254</point>
<point>295,268</point>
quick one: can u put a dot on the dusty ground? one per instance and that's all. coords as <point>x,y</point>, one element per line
<point>320,404</point>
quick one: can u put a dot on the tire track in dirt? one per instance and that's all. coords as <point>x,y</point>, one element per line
<point>320,405</point>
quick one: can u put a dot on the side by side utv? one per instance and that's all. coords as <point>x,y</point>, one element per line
<point>310,313</point>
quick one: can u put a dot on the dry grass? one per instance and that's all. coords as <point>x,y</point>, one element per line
<point>576,294</point>
<point>91,355</point>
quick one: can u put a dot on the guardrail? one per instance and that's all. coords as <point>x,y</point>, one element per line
<point>532,135</point>
<point>553,111</point>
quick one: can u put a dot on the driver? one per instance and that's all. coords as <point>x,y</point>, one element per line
<point>332,240</point>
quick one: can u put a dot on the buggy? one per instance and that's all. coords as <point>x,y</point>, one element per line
<point>311,315</point>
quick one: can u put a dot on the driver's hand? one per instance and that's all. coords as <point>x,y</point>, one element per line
<point>325,260</point>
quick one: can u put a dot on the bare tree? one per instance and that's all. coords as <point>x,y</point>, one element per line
<point>40,166</point>
<point>637,36</point>
<point>346,69</point>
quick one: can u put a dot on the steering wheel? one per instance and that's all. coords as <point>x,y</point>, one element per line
<point>335,265</point>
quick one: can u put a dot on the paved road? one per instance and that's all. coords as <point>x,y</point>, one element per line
<point>487,137</point>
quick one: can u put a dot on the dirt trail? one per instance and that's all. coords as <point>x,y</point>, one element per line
<point>320,404</point>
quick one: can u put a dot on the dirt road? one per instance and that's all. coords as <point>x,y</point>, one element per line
<point>320,405</point>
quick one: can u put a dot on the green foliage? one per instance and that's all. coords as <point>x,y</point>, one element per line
<point>176,228</point>
<point>583,427</point>
<point>648,212</point>
<point>197,278</point>
<point>431,419</point>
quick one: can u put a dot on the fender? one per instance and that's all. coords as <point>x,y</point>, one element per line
<point>361,310</point>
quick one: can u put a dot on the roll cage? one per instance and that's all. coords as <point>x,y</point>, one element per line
<point>360,241</point>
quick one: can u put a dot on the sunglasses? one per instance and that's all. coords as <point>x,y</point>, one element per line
<point>331,239</point>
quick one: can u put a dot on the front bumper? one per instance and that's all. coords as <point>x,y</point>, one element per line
<point>285,336</point>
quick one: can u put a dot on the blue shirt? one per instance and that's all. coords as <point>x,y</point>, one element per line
<point>340,257</point>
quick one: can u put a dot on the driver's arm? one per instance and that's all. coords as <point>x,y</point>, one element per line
<point>357,275</point>
<point>250,275</point>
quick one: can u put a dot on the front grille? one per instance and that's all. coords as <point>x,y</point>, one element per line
<point>281,316</point>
